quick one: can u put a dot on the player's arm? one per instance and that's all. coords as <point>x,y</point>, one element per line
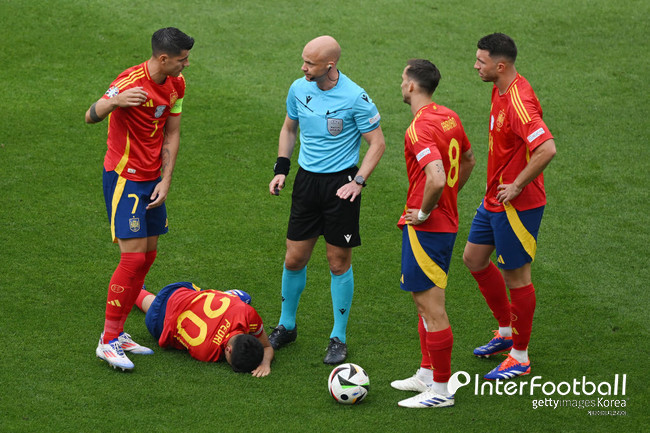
<point>433,188</point>
<point>467,163</point>
<point>265,366</point>
<point>103,107</point>
<point>377,146</point>
<point>287,142</point>
<point>542,155</point>
<point>171,143</point>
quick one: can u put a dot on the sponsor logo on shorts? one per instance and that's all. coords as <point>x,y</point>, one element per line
<point>347,238</point>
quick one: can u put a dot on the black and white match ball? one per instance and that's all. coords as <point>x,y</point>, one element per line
<point>348,383</point>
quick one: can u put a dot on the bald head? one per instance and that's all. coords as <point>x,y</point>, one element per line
<point>323,49</point>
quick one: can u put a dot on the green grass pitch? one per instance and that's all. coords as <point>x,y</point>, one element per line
<point>588,62</point>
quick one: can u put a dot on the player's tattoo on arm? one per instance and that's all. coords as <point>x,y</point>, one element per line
<point>93,114</point>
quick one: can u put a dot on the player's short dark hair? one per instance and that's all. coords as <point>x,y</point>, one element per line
<point>247,353</point>
<point>424,73</point>
<point>499,45</point>
<point>170,41</point>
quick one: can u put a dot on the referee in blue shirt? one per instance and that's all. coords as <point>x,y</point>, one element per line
<point>333,113</point>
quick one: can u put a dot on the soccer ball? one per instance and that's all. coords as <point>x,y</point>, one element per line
<point>241,294</point>
<point>348,383</point>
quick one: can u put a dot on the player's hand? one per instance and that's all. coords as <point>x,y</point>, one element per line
<point>261,371</point>
<point>159,194</point>
<point>507,192</point>
<point>132,97</point>
<point>411,216</point>
<point>349,191</point>
<point>277,184</point>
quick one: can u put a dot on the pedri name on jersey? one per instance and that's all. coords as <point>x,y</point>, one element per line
<point>222,332</point>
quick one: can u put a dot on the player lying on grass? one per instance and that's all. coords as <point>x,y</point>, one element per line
<point>210,325</point>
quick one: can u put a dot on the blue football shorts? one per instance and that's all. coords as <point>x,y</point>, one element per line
<point>425,259</point>
<point>512,233</point>
<point>126,206</point>
<point>155,318</point>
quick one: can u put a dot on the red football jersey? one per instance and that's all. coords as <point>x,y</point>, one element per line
<point>435,133</point>
<point>516,129</point>
<point>135,134</point>
<point>202,322</point>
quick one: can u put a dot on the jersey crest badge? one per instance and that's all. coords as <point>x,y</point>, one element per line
<point>500,119</point>
<point>334,126</point>
<point>134,224</point>
<point>159,111</point>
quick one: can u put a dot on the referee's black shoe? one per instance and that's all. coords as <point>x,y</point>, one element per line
<point>281,336</point>
<point>337,351</point>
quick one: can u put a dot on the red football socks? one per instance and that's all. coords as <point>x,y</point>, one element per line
<point>426,359</point>
<point>439,345</point>
<point>149,258</point>
<point>493,287</point>
<point>523,309</point>
<point>123,290</point>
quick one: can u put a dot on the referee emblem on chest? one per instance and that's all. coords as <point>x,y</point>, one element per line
<point>334,126</point>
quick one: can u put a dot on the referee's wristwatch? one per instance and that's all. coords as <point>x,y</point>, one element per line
<point>360,180</point>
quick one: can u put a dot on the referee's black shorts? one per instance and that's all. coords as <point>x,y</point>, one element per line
<point>316,210</point>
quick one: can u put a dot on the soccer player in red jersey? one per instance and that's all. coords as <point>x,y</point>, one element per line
<point>143,106</point>
<point>439,160</point>
<point>211,325</point>
<point>508,219</point>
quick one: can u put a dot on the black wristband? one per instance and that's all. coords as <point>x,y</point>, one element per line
<point>282,166</point>
<point>93,114</point>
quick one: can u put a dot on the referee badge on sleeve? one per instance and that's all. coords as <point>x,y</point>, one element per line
<point>335,126</point>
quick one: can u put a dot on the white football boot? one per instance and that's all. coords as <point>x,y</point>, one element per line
<point>113,354</point>
<point>426,399</point>
<point>410,384</point>
<point>128,345</point>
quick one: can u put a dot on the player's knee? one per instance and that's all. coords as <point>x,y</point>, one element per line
<point>474,262</point>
